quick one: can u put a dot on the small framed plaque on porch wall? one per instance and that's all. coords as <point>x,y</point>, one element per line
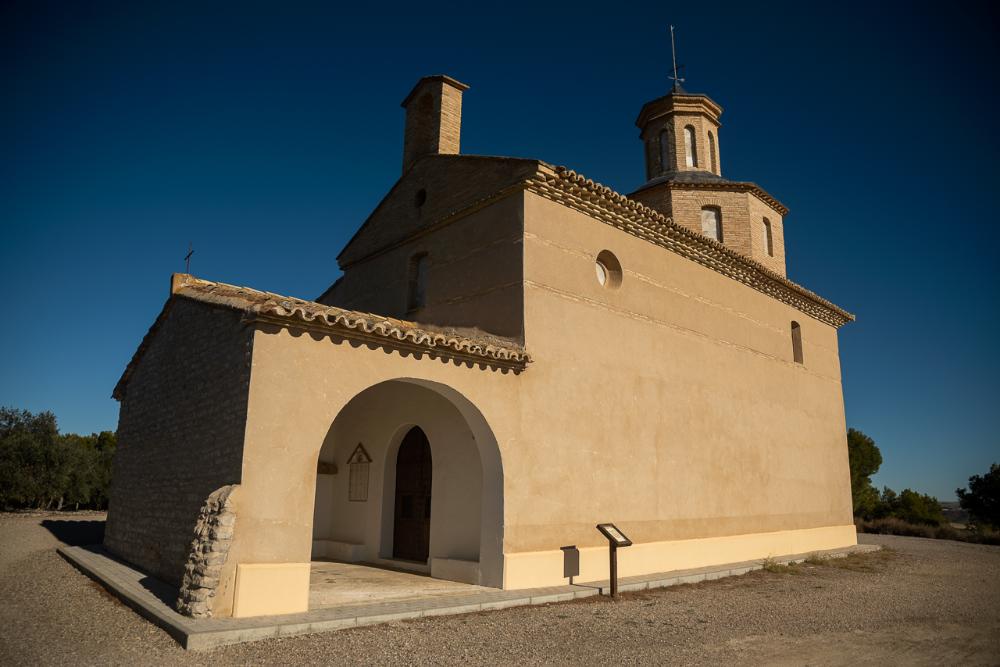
<point>357,471</point>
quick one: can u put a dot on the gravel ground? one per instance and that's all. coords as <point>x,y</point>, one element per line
<point>918,602</point>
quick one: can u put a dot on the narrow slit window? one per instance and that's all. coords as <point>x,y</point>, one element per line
<point>417,291</point>
<point>711,222</point>
<point>711,153</point>
<point>768,238</point>
<point>665,151</point>
<point>690,149</point>
<point>651,170</point>
<point>796,342</point>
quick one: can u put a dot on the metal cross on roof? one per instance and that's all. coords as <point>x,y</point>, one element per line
<point>673,51</point>
<point>187,258</point>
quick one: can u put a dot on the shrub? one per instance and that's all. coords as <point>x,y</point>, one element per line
<point>982,500</point>
<point>896,526</point>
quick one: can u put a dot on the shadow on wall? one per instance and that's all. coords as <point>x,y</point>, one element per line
<point>76,533</point>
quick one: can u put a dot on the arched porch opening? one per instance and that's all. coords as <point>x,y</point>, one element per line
<point>358,510</point>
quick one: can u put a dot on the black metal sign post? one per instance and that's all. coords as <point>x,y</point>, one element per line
<point>613,555</point>
<point>616,538</point>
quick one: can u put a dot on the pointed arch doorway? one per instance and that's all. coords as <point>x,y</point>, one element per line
<point>411,532</point>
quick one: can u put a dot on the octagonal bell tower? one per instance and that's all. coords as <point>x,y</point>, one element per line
<point>680,138</point>
<point>680,133</point>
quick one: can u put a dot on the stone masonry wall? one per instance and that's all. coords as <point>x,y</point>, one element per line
<point>474,274</point>
<point>758,211</point>
<point>686,206</point>
<point>209,549</point>
<point>742,219</point>
<point>433,122</point>
<point>450,137</point>
<point>180,435</point>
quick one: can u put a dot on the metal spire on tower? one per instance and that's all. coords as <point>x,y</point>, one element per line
<point>673,51</point>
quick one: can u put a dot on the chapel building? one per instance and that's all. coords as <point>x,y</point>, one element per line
<point>513,354</point>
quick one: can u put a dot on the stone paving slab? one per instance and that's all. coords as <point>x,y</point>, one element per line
<point>153,599</point>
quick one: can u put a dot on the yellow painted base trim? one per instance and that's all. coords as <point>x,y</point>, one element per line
<point>265,589</point>
<point>545,568</point>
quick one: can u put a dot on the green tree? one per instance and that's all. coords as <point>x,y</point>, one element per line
<point>28,463</point>
<point>865,459</point>
<point>105,443</point>
<point>40,468</point>
<point>919,508</point>
<point>982,499</point>
<point>909,506</point>
<point>885,505</point>
<point>82,474</point>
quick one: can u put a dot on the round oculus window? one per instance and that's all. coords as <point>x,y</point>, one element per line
<point>602,273</point>
<point>608,270</point>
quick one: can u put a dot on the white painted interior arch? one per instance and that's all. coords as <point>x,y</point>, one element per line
<point>466,533</point>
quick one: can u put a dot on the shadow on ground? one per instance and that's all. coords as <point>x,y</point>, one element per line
<point>76,533</point>
<point>164,592</point>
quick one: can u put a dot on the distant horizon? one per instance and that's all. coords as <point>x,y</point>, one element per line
<point>266,137</point>
<point>953,500</point>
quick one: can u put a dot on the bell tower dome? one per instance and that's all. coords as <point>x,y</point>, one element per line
<point>680,133</point>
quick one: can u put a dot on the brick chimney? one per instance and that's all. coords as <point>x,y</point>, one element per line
<point>433,118</point>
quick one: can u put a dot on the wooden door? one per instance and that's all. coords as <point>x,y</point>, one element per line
<point>411,533</point>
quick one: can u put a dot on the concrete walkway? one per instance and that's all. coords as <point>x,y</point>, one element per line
<point>154,599</point>
<point>337,584</point>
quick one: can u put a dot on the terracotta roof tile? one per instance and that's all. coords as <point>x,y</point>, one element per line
<point>471,345</point>
<point>569,188</point>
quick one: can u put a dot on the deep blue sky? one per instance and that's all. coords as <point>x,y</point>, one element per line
<point>265,133</point>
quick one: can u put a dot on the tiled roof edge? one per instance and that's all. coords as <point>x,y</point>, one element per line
<point>471,346</point>
<point>724,185</point>
<point>569,188</point>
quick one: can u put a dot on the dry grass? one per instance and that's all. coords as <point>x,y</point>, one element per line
<point>894,526</point>
<point>773,566</point>
<point>871,561</point>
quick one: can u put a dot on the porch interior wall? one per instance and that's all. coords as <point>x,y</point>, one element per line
<point>378,418</point>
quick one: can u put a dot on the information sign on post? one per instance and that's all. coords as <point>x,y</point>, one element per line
<point>616,538</point>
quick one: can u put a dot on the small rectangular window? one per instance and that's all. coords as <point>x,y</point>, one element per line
<point>417,289</point>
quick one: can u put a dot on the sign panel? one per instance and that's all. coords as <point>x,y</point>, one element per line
<point>571,561</point>
<point>610,531</point>
<point>357,465</point>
